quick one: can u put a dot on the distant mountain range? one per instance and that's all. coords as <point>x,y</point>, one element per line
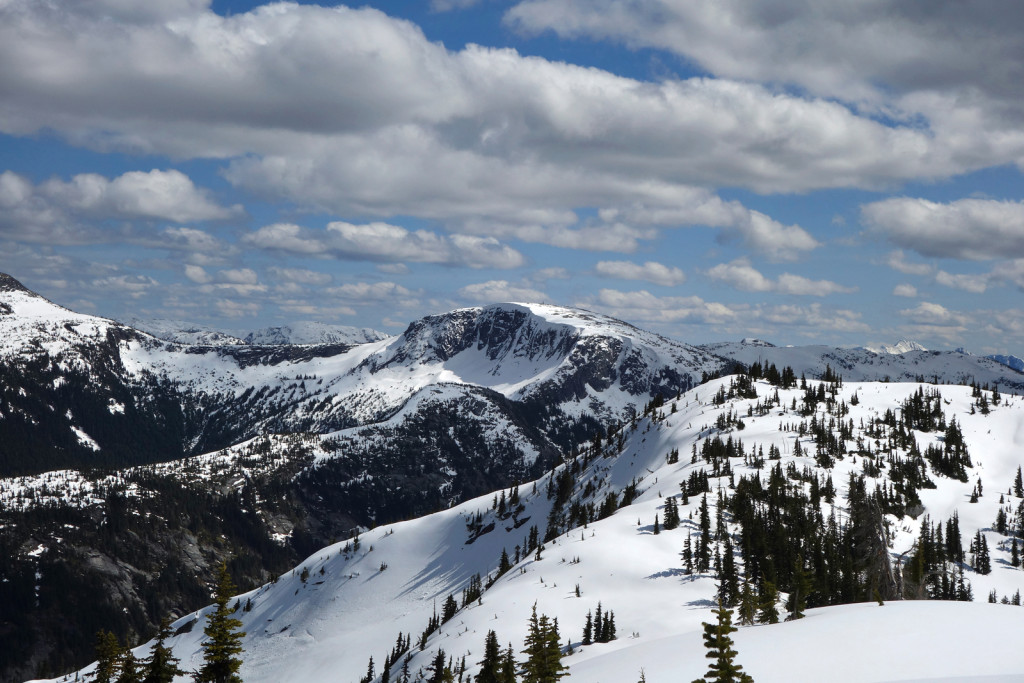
<point>181,332</point>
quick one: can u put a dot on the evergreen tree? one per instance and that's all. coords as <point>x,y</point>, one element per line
<point>162,665</point>
<point>508,666</point>
<point>718,641</point>
<point>223,643</point>
<point>440,672</point>
<point>799,591</point>
<point>768,610</point>
<point>128,668</point>
<point>588,629</point>
<point>108,654</point>
<point>747,610</point>
<point>449,609</point>
<point>703,554</point>
<point>543,651</point>
<point>490,666</point>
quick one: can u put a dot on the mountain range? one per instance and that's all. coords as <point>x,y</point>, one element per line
<point>133,464</point>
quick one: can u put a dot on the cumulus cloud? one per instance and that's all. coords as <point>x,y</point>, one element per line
<point>389,123</point>
<point>741,275</point>
<point>971,229</point>
<point>897,261</point>
<point>197,274</point>
<point>301,276</point>
<point>386,243</point>
<point>928,313</point>
<point>976,284</point>
<point>68,212</point>
<point>134,286</point>
<point>368,291</point>
<point>906,290</point>
<point>498,291</point>
<point>844,48</point>
<point>671,310</point>
<point>644,306</point>
<point>651,271</point>
<point>753,229</point>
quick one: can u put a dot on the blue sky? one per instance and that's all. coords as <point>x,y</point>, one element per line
<point>840,173</point>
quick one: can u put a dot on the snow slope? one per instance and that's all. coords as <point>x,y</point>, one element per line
<point>355,601</point>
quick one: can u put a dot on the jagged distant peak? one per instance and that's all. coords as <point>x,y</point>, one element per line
<point>753,341</point>
<point>900,347</point>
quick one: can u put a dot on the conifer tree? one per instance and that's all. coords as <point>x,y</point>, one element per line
<point>543,651</point>
<point>747,610</point>
<point>223,643</point>
<point>128,668</point>
<point>800,589</point>
<point>768,610</point>
<point>718,641</point>
<point>162,665</point>
<point>588,629</point>
<point>490,666</point>
<point>508,666</point>
<point>108,654</point>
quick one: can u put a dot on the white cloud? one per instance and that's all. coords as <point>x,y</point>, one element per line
<point>897,261</point>
<point>367,292</point>
<point>906,290</point>
<point>553,273</point>
<point>650,271</point>
<point>197,274</point>
<point>870,52</point>
<point>976,284</point>
<point>973,229</point>
<point>448,5</point>
<point>389,123</point>
<point>239,276</point>
<point>68,212</point>
<point>134,286</point>
<point>301,276</point>
<point>387,243</point>
<point>644,306</point>
<point>753,229</point>
<point>928,313</point>
<point>499,291</point>
<point>743,276</point>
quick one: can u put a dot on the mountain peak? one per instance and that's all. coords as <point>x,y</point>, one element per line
<point>900,347</point>
<point>10,284</point>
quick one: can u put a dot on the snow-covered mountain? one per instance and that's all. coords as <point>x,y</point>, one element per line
<point>861,364</point>
<point>193,334</point>
<point>323,619</point>
<point>313,333</point>
<point>183,332</point>
<point>1010,361</point>
<point>301,443</point>
<point>902,346</point>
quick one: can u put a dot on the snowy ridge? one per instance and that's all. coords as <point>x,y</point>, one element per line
<point>313,333</point>
<point>864,365</point>
<point>320,621</point>
<point>182,332</point>
<point>1010,361</point>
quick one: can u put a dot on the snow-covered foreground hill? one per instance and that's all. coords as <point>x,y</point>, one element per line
<point>323,620</point>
